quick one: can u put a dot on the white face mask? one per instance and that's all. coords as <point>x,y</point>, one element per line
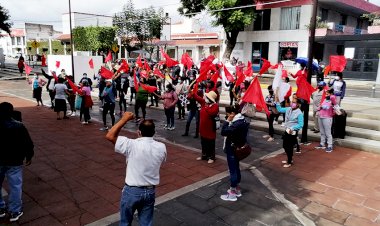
<point>337,78</point>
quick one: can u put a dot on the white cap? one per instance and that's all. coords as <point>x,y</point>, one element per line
<point>108,80</point>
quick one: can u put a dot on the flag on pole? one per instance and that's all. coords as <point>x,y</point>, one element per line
<point>139,61</point>
<point>169,61</point>
<point>109,57</point>
<point>277,78</point>
<point>158,72</point>
<point>240,78</point>
<point>73,86</point>
<point>123,67</point>
<point>91,63</point>
<point>327,70</point>
<point>187,61</point>
<point>338,63</point>
<point>150,89</point>
<point>215,77</point>
<point>266,65</point>
<point>304,89</point>
<point>146,66</point>
<point>27,69</point>
<point>105,73</point>
<point>249,71</point>
<point>135,81</point>
<point>228,75</point>
<point>254,95</point>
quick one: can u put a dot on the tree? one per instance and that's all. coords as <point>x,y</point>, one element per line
<point>139,27</point>
<point>232,20</point>
<point>94,38</point>
<point>4,18</point>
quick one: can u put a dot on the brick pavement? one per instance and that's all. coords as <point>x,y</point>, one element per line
<point>76,178</point>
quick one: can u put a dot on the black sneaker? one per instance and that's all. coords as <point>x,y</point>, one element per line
<point>15,216</point>
<point>3,212</point>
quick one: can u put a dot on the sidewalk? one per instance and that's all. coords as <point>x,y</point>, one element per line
<point>76,178</point>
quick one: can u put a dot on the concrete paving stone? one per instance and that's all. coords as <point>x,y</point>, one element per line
<point>183,182</point>
<point>65,210</point>
<point>326,212</point>
<point>196,202</point>
<point>171,208</point>
<point>346,195</point>
<point>161,219</point>
<point>46,220</point>
<point>323,199</point>
<point>81,219</point>
<point>99,207</point>
<point>259,200</point>
<point>299,201</point>
<point>81,195</point>
<point>343,183</point>
<point>206,192</point>
<point>356,221</point>
<point>50,197</point>
<point>64,184</point>
<point>371,203</point>
<point>221,211</point>
<point>32,211</point>
<point>324,222</point>
<point>320,188</point>
<point>237,219</point>
<point>166,188</point>
<point>357,210</point>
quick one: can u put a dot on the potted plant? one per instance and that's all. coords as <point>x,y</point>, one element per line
<point>374,19</point>
<point>320,28</point>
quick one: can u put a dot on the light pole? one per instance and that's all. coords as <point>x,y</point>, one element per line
<point>71,43</point>
<point>313,22</point>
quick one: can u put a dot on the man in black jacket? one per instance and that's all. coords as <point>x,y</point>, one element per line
<point>17,146</point>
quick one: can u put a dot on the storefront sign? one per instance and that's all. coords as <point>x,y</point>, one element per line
<point>289,44</point>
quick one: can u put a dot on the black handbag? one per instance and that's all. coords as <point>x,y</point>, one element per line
<point>242,152</point>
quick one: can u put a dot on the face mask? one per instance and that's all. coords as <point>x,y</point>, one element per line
<point>207,100</point>
<point>293,105</point>
<point>327,97</point>
<point>337,78</point>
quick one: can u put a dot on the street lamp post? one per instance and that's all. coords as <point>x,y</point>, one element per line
<point>313,22</point>
<point>71,43</point>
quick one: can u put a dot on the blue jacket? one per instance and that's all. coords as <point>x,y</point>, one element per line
<point>293,118</point>
<point>235,132</point>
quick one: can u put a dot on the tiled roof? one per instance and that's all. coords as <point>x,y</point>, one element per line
<point>194,36</point>
<point>200,42</point>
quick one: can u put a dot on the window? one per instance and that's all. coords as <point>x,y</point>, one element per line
<point>324,14</point>
<point>13,41</point>
<point>359,23</point>
<point>290,18</point>
<point>18,41</point>
<point>343,19</point>
<point>262,21</point>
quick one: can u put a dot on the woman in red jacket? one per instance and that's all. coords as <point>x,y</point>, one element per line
<point>207,130</point>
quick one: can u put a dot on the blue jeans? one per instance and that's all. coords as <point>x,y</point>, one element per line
<point>191,115</point>
<point>233,167</point>
<point>140,199</point>
<point>14,178</point>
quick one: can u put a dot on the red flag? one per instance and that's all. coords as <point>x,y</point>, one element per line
<point>91,63</point>
<point>228,75</point>
<point>135,81</point>
<point>304,90</point>
<point>139,62</point>
<point>150,89</point>
<point>215,77</point>
<point>105,73</point>
<point>254,95</point>
<point>123,67</point>
<point>54,76</point>
<point>284,73</point>
<point>57,64</point>
<point>249,71</point>
<point>144,74</point>
<point>169,61</point>
<point>146,66</point>
<point>324,94</point>
<point>158,72</point>
<point>274,66</point>
<point>265,67</point>
<point>327,70</point>
<point>240,78</point>
<point>72,85</point>
<point>337,63</point>
<point>109,57</point>
<point>123,61</point>
<point>27,69</point>
<point>186,60</point>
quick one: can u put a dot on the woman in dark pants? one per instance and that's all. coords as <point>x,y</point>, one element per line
<point>270,101</point>
<point>293,123</point>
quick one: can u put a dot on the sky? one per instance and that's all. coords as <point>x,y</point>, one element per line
<point>50,11</point>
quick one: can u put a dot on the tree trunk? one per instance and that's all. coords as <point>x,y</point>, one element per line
<point>231,38</point>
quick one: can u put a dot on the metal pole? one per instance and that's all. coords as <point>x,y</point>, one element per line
<point>310,66</point>
<point>71,42</point>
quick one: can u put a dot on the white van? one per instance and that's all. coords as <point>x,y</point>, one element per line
<point>2,58</point>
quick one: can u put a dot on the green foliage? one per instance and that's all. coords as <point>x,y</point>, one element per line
<point>138,25</point>
<point>373,18</point>
<point>5,25</point>
<point>93,38</point>
<point>56,45</point>
<point>320,24</point>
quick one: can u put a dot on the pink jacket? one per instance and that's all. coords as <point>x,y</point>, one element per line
<point>326,110</point>
<point>170,99</point>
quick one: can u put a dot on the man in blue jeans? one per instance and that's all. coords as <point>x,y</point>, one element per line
<point>144,158</point>
<point>17,146</point>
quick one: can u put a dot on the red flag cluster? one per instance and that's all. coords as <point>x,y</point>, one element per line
<point>105,73</point>
<point>169,61</point>
<point>187,61</point>
<point>158,72</point>
<point>123,67</point>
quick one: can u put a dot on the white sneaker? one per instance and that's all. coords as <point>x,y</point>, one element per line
<point>275,123</point>
<point>84,123</point>
<point>266,136</point>
<point>283,124</point>
<point>230,196</point>
<point>270,139</point>
<point>237,190</point>
<point>104,128</point>
<point>171,128</point>
<point>73,114</point>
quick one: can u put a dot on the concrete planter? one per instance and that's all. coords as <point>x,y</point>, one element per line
<point>321,32</point>
<point>374,29</point>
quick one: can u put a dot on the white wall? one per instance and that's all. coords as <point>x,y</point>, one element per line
<point>80,65</point>
<point>84,20</point>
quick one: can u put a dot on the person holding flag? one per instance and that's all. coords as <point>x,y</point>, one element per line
<point>85,92</point>
<point>141,100</point>
<point>72,94</point>
<point>326,114</point>
<point>293,124</point>
<point>37,84</point>
<point>270,101</point>
<point>339,87</point>
<point>50,85</point>
<point>108,95</point>
<point>317,97</point>
<point>61,91</point>
<point>170,100</point>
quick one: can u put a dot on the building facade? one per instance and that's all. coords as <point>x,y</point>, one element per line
<point>280,31</point>
<point>13,45</point>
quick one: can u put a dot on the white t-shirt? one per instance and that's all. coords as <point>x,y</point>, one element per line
<point>144,157</point>
<point>60,91</point>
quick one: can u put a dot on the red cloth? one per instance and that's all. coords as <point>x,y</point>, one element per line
<point>109,57</point>
<point>72,85</point>
<point>43,60</point>
<point>27,69</point>
<point>274,66</point>
<point>135,81</point>
<point>139,62</point>
<point>91,63</point>
<point>187,61</point>
<point>57,64</point>
<point>265,67</point>
<point>55,76</point>
<point>158,72</point>
<point>254,95</point>
<point>284,73</point>
<point>240,78</point>
<point>146,66</point>
<point>123,67</point>
<point>144,74</point>
<point>304,90</point>
<point>206,119</point>
<point>150,89</point>
<point>324,94</point>
<point>169,61</point>
<point>105,73</point>
<point>249,71</point>
<point>337,63</point>
<point>327,70</point>
<point>228,75</point>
